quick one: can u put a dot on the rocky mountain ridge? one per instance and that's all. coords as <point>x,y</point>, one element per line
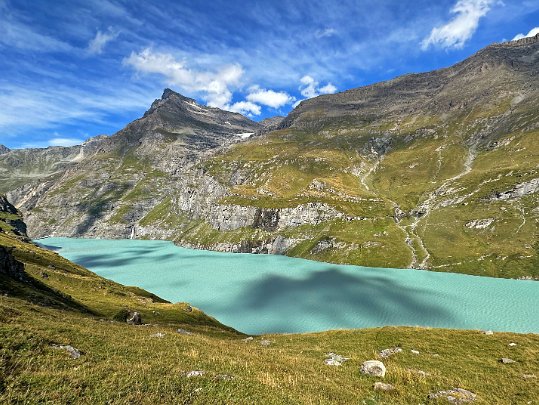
<point>384,175</point>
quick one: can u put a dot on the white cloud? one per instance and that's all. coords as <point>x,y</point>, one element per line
<point>270,98</point>
<point>57,141</point>
<point>245,108</point>
<point>97,44</point>
<point>326,32</point>
<point>25,108</point>
<point>311,88</point>
<point>533,32</point>
<point>215,87</point>
<point>460,29</point>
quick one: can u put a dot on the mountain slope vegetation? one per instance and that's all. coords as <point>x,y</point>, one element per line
<point>435,171</point>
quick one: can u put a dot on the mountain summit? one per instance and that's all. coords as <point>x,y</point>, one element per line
<point>435,170</point>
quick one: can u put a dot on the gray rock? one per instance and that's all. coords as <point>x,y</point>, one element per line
<point>74,353</point>
<point>134,318</point>
<point>455,396</point>
<point>488,333</point>
<point>506,360</point>
<point>380,386</point>
<point>265,342</point>
<point>335,359</point>
<point>512,344</point>
<point>373,368</point>
<point>389,352</point>
<point>158,335</point>
<point>183,331</point>
<point>194,373</point>
<point>248,339</point>
<point>414,351</point>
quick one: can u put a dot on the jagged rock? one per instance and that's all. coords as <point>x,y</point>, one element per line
<point>134,318</point>
<point>335,359</point>
<point>389,352</point>
<point>373,368</point>
<point>455,396</point>
<point>506,360</point>
<point>519,191</point>
<point>74,353</point>
<point>380,386</point>
<point>11,266</point>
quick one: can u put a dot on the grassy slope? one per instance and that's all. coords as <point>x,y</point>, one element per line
<point>123,363</point>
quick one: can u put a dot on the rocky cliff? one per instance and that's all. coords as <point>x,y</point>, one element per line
<point>383,175</point>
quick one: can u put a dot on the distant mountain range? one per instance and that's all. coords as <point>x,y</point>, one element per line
<point>437,170</point>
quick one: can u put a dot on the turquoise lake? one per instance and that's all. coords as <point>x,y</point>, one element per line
<point>268,294</point>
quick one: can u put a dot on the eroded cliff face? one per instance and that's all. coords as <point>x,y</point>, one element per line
<point>385,175</point>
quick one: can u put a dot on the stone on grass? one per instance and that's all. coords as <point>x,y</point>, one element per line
<point>194,373</point>
<point>265,342</point>
<point>158,335</point>
<point>248,339</point>
<point>374,368</point>
<point>512,344</point>
<point>414,351</point>
<point>488,332</point>
<point>333,359</point>
<point>134,318</point>
<point>455,396</point>
<point>389,352</point>
<point>380,386</point>
<point>507,360</point>
<point>183,332</point>
<point>529,376</point>
<point>224,377</point>
<point>74,353</point>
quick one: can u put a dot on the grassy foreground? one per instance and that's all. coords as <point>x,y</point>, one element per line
<point>64,304</point>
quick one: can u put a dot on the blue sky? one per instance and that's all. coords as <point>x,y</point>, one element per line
<point>72,69</point>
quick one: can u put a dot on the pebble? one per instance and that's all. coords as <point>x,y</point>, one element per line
<point>414,351</point>
<point>506,360</point>
<point>373,367</point>
<point>512,344</point>
<point>488,332</point>
<point>158,335</point>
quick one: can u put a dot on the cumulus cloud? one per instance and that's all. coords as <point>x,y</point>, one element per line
<point>270,98</point>
<point>460,29</point>
<point>245,108</point>
<point>310,88</point>
<point>97,44</point>
<point>533,32</point>
<point>215,87</point>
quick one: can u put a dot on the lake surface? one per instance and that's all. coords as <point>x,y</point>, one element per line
<point>266,293</point>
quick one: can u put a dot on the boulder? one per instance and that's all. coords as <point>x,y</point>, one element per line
<point>74,353</point>
<point>506,360</point>
<point>373,368</point>
<point>134,318</point>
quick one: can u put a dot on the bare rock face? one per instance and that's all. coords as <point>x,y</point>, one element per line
<point>10,266</point>
<point>134,318</point>
<point>3,149</point>
<point>13,217</point>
